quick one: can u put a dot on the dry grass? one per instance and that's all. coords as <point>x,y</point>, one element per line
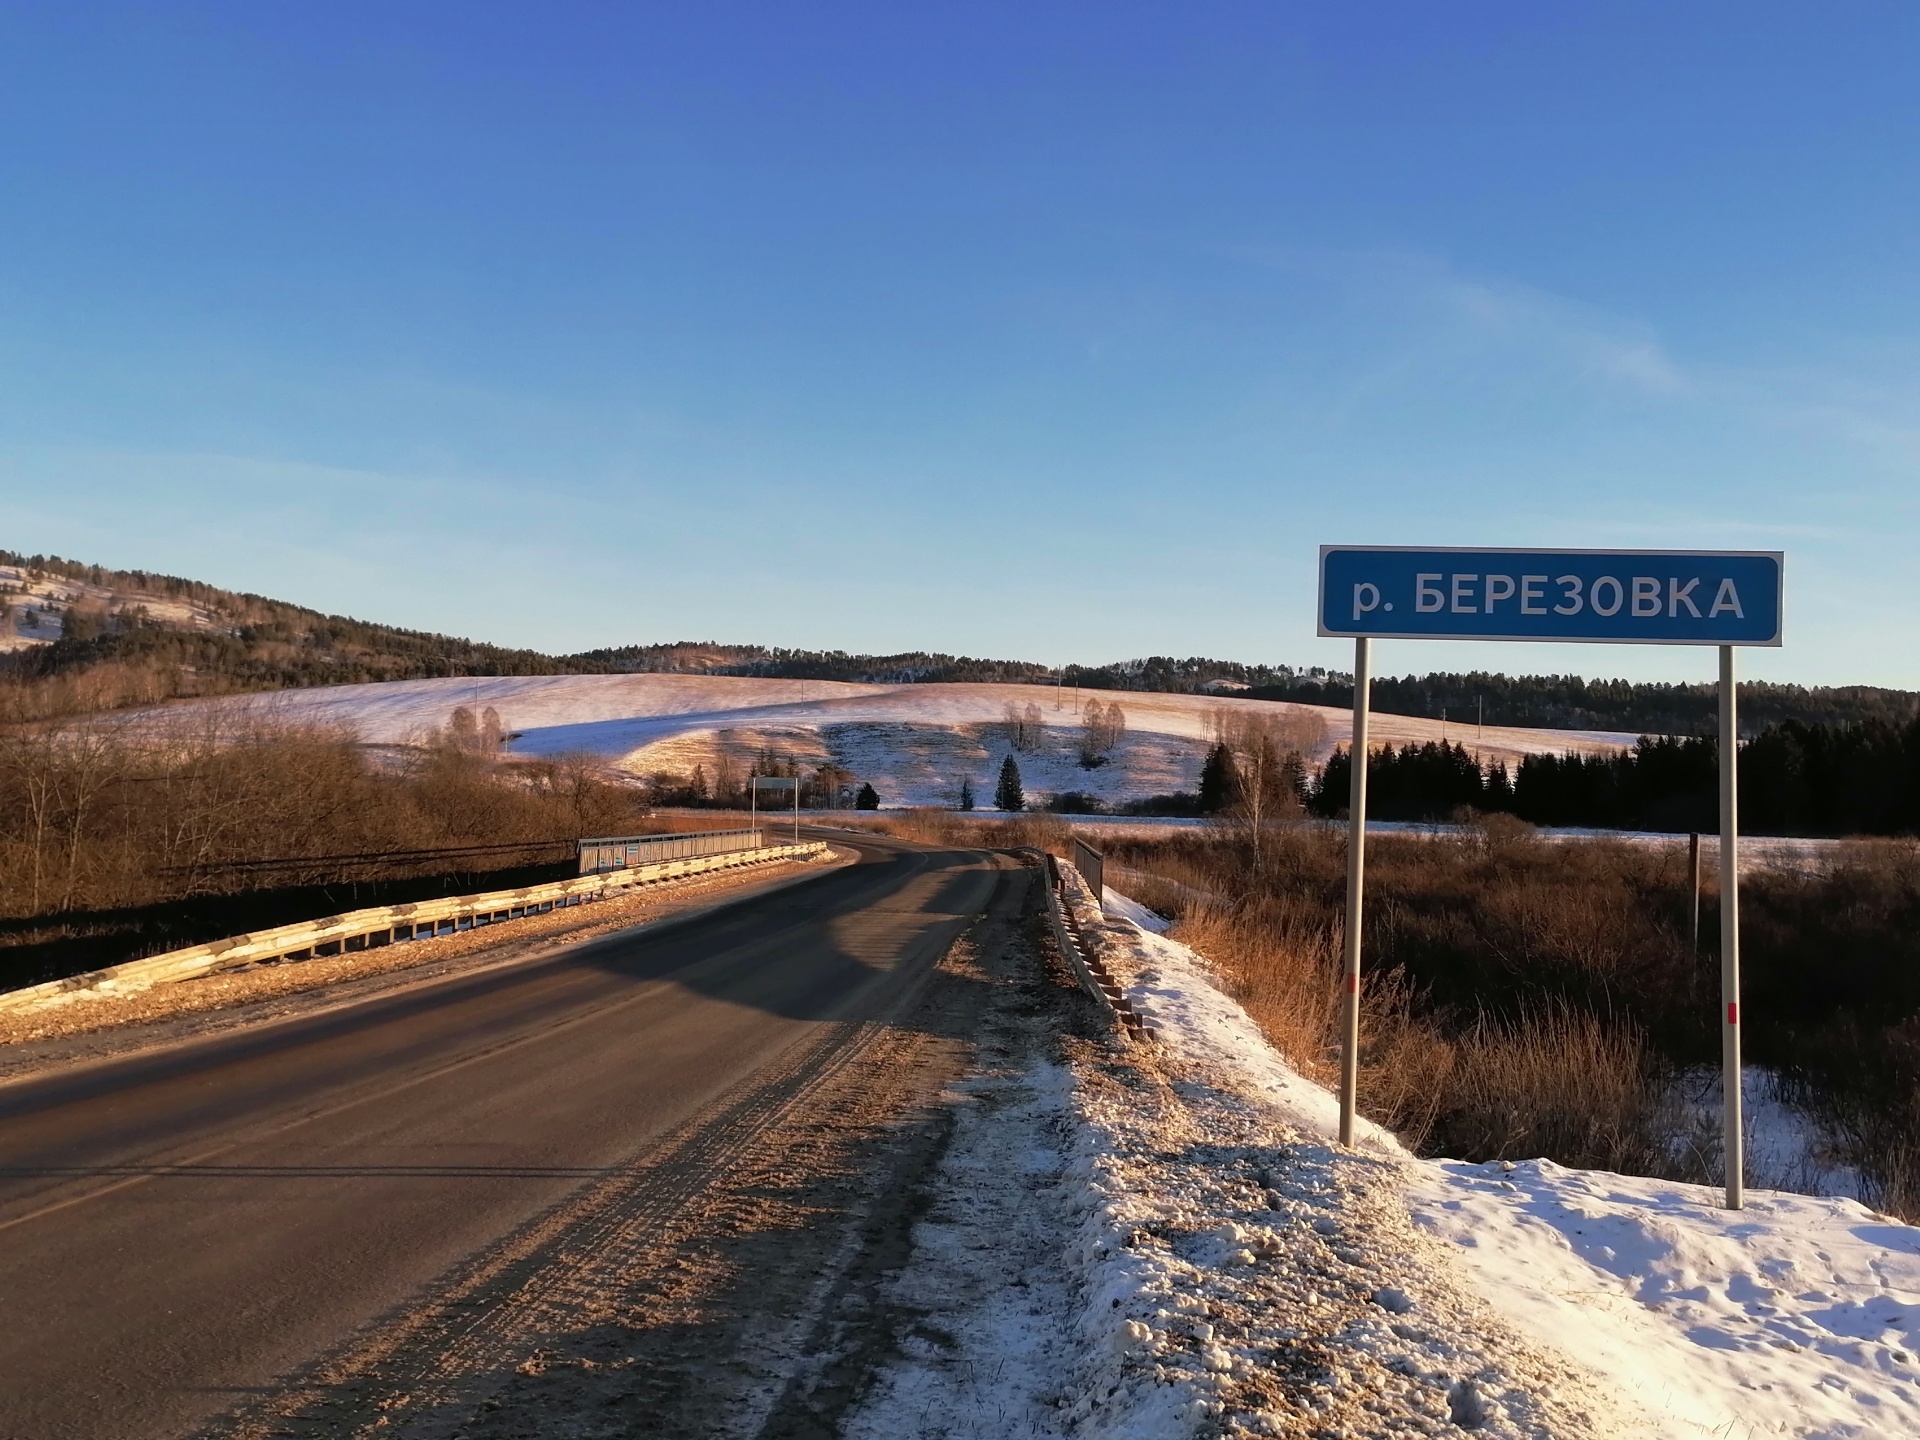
<point>1559,1082</point>
<point>1282,964</point>
<point>1527,998</point>
<point>1487,1030</point>
<point>955,827</point>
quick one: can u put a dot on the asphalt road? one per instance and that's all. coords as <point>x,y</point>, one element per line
<point>180,1229</point>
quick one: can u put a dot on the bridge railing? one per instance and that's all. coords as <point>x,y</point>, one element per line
<point>627,852</point>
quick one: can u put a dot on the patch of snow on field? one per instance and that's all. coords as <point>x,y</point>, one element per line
<point>881,732</point>
<point>1797,1316</point>
<point>50,598</point>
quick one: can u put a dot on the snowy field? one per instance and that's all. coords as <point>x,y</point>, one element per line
<point>1227,1270</point>
<point>914,743</point>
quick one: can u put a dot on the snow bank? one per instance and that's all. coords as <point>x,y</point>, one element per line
<point>1174,992</point>
<point>1240,1275</point>
<point>1133,912</point>
<point>1797,1316</point>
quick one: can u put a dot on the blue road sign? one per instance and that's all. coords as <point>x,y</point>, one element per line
<point>1635,597</point>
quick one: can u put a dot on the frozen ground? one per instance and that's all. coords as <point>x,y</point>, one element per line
<point>1223,1268</point>
<point>915,743</point>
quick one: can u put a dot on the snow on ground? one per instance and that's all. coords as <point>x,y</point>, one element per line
<point>1797,1316</point>
<point>1112,902</point>
<point>1242,1276</point>
<point>988,1280</point>
<point>915,743</point>
<point>1785,1147</point>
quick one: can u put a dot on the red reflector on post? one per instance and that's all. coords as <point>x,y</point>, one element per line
<point>1733,1012</point>
<point>1353,984</point>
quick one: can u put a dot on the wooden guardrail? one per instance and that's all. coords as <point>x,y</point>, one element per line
<point>381,925</point>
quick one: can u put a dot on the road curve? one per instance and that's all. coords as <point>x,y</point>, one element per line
<point>180,1229</point>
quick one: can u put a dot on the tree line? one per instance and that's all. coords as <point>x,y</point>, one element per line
<point>1795,779</point>
<point>1571,702</point>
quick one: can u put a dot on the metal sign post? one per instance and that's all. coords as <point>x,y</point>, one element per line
<point>1356,884</point>
<point>1734,1144</point>
<point>1632,597</point>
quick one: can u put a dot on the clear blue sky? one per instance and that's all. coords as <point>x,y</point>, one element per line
<point>1043,331</point>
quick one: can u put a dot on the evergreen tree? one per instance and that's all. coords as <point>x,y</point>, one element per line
<point>966,794</point>
<point>1219,780</point>
<point>867,799</point>
<point>1007,795</point>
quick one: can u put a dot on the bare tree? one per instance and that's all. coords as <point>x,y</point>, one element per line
<point>1103,727</point>
<point>1025,728</point>
<point>726,778</point>
<point>463,731</point>
<point>27,764</point>
<point>1269,751</point>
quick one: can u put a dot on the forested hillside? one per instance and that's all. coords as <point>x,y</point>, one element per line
<point>102,639</point>
<point>128,637</point>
